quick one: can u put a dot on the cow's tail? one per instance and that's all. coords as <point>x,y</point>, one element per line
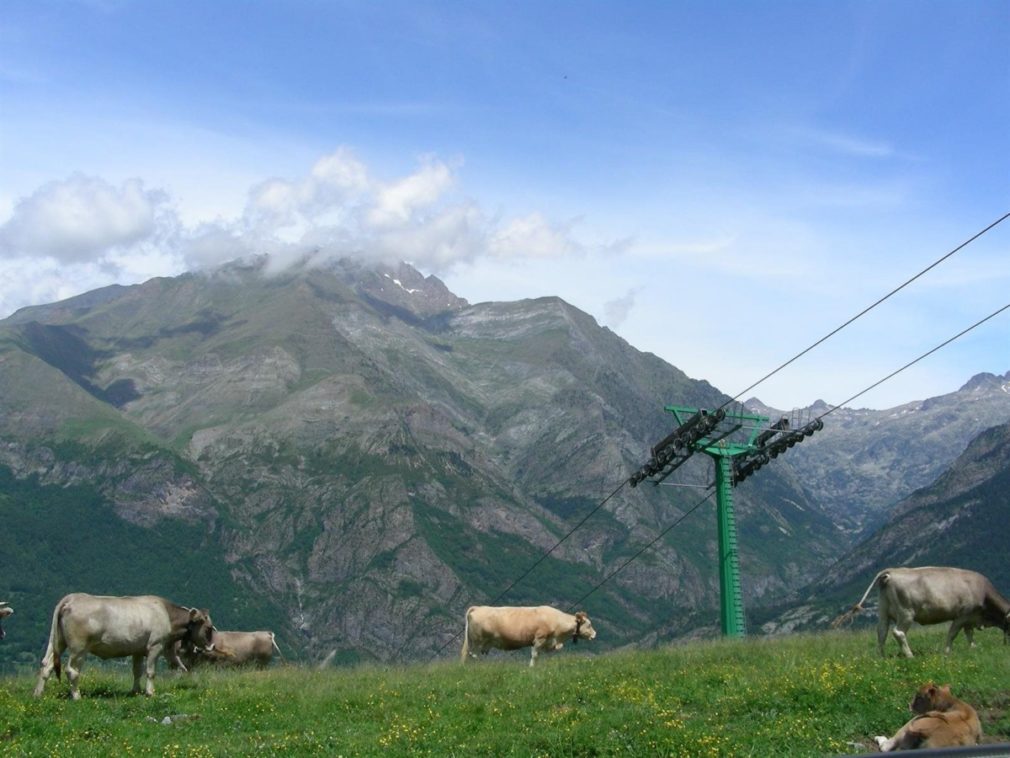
<point>465,652</point>
<point>274,643</point>
<point>54,650</point>
<point>854,611</point>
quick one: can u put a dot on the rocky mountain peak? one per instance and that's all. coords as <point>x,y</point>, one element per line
<point>987,382</point>
<point>403,286</point>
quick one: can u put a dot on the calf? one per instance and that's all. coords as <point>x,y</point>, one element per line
<point>507,628</point>
<point>232,649</point>
<point>933,595</point>
<point>943,721</point>
<point>117,627</point>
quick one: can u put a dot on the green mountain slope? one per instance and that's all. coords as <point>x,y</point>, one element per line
<point>58,539</point>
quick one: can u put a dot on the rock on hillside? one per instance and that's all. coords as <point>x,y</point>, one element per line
<point>867,460</point>
<point>962,519</point>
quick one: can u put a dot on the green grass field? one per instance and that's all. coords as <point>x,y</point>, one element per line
<point>806,695</point>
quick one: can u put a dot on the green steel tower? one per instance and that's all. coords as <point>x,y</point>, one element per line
<point>738,445</point>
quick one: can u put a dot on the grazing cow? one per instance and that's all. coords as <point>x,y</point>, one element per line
<point>231,649</point>
<point>542,628</point>
<point>116,627</point>
<point>5,611</point>
<point>942,721</point>
<point>932,595</point>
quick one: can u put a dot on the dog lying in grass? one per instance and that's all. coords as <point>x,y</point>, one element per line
<point>943,721</point>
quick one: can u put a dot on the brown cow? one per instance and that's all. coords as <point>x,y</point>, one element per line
<point>232,649</point>
<point>943,721</point>
<point>116,627</point>
<point>932,595</point>
<point>5,611</point>
<point>507,628</point>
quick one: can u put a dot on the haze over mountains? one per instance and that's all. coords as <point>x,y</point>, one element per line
<point>352,456</point>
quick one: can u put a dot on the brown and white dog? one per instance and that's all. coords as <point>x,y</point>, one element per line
<point>943,721</point>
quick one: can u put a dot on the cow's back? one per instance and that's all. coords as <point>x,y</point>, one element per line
<point>245,647</point>
<point>510,628</point>
<point>934,593</point>
<point>110,626</point>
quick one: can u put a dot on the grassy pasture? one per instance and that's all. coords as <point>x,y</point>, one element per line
<point>805,695</point>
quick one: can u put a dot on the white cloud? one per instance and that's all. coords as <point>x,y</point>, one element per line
<point>616,311</point>
<point>33,281</point>
<point>84,232</point>
<point>533,236</point>
<point>396,203</point>
<point>847,144</point>
<point>80,218</point>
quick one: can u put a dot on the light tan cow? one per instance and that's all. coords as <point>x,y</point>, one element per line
<point>508,628</point>
<point>933,595</point>
<point>143,627</point>
<point>5,611</point>
<point>943,721</point>
<point>232,649</point>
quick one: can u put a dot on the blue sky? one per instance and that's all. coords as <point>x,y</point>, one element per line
<point>719,183</point>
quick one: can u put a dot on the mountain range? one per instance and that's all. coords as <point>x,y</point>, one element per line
<point>353,455</point>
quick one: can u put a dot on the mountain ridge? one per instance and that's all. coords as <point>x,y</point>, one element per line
<point>371,453</point>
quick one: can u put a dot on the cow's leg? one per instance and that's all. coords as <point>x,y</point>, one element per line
<point>45,671</point>
<point>955,627</point>
<point>900,634</point>
<point>74,664</point>
<point>886,745</point>
<point>969,632</point>
<point>173,658</point>
<point>883,627</point>
<point>152,659</point>
<point>537,644</point>
<point>906,738</point>
<point>138,671</point>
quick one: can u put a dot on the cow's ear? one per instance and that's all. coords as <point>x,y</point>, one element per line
<point>193,614</point>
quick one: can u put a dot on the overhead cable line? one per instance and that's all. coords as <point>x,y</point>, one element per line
<point>657,538</point>
<point>571,531</point>
<point>913,362</point>
<point>803,352</point>
<point>869,308</point>
<point>574,606</point>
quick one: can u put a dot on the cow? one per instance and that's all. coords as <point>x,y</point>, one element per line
<point>507,628</point>
<point>143,627</point>
<point>231,649</point>
<point>942,721</point>
<point>933,595</point>
<point>5,611</point>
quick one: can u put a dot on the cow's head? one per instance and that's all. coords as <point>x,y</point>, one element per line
<point>583,627</point>
<point>931,697</point>
<point>199,630</point>
<point>5,611</point>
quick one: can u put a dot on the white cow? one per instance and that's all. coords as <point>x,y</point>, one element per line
<point>508,628</point>
<point>933,595</point>
<point>116,627</point>
<point>5,611</point>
